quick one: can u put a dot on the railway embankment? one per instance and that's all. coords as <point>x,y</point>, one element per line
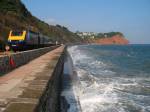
<point>12,61</point>
<point>35,86</point>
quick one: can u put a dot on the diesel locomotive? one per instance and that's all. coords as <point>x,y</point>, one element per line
<point>27,39</point>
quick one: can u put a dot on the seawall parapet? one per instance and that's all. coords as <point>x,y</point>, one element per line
<point>8,63</point>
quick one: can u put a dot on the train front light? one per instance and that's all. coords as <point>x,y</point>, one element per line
<point>9,40</point>
<point>20,40</point>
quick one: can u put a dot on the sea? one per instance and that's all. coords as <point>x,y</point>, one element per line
<point>112,78</point>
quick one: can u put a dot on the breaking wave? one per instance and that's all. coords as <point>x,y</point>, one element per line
<point>107,82</point>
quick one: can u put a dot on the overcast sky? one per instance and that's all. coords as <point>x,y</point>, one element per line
<point>131,17</point>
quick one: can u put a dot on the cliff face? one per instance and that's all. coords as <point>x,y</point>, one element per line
<point>117,39</point>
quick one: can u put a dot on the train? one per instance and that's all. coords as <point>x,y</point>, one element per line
<point>27,39</point>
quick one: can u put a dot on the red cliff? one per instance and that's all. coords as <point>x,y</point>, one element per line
<point>117,39</point>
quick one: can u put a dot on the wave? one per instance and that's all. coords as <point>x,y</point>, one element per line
<point>104,89</point>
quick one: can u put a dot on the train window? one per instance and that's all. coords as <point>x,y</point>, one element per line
<point>16,33</point>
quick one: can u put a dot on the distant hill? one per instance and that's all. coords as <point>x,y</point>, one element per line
<point>111,38</point>
<point>116,39</point>
<point>14,15</point>
<point>103,38</point>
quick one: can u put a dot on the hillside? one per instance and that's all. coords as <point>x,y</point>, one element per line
<point>14,15</point>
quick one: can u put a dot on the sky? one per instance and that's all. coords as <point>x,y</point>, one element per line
<point>131,17</point>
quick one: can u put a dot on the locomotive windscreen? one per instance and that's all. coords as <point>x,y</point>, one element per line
<point>17,33</point>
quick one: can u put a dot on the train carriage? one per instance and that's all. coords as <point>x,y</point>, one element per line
<point>26,39</point>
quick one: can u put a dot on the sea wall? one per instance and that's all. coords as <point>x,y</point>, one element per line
<point>50,99</point>
<point>8,63</point>
<point>70,80</point>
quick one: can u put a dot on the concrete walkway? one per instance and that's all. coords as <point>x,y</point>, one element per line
<point>21,89</point>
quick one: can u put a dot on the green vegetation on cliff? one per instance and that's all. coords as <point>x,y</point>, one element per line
<point>108,35</point>
<point>14,15</point>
